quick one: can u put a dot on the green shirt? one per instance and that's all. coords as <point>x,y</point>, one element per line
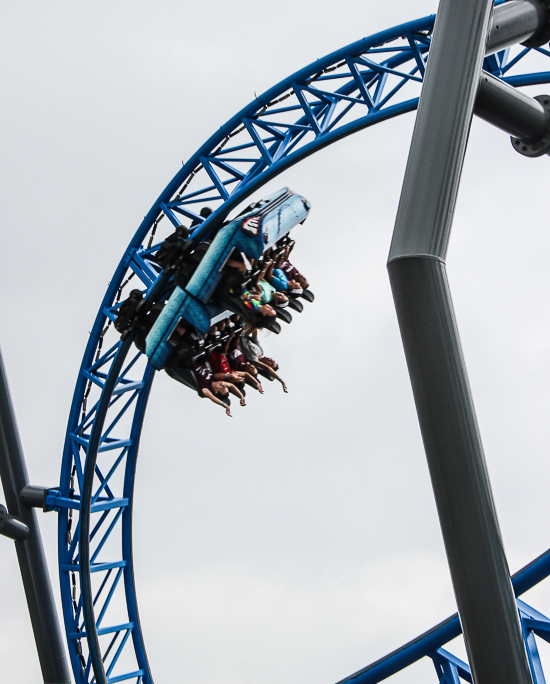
<point>267,291</point>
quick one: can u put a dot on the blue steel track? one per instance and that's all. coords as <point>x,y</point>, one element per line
<point>358,86</point>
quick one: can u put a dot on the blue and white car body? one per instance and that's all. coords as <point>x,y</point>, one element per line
<point>254,232</point>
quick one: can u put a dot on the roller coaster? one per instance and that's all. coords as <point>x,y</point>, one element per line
<point>352,89</point>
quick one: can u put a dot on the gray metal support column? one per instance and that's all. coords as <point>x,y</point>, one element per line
<point>475,553</point>
<point>30,553</point>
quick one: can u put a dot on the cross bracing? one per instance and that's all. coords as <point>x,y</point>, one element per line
<point>363,84</point>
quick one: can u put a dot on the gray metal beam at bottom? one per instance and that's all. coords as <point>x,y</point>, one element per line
<point>479,570</point>
<point>30,552</point>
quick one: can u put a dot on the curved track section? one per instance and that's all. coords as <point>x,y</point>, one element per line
<point>361,85</point>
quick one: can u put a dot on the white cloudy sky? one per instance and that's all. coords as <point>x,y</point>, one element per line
<point>299,540</point>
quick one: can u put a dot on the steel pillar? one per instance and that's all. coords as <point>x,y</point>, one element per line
<point>30,553</point>
<point>452,442</point>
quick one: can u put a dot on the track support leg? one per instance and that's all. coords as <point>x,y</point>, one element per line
<point>21,524</point>
<point>454,451</point>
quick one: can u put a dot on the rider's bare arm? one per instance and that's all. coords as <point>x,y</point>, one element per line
<point>207,393</point>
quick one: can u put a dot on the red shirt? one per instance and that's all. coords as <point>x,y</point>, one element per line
<point>218,361</point>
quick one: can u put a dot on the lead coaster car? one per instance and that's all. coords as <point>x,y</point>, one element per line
<point>253,233</point>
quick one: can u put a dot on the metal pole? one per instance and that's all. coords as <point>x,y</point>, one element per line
<point>517,21</point>
<point>30,553</point>
<point>511,110</point>
<point>471,534</point>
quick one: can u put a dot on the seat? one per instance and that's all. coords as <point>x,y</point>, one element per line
<point>295,304</point>
<point>283,314</point>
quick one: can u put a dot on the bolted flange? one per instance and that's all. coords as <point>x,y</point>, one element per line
<point>538,147</point>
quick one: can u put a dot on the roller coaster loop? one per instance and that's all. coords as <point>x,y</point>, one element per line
<point>358,86</point>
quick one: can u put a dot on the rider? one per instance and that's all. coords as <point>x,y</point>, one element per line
<point>267,292</point>
<point>254,353</point>
<point>289,270</point>
<point>223,371</point>
<point>215,390</point>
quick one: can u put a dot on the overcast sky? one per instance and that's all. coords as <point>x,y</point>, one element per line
<point>297,541</point>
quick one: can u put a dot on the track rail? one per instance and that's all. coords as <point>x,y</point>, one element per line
<point>363,84</point>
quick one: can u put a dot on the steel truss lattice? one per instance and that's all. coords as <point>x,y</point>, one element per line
<point>363,84</point>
